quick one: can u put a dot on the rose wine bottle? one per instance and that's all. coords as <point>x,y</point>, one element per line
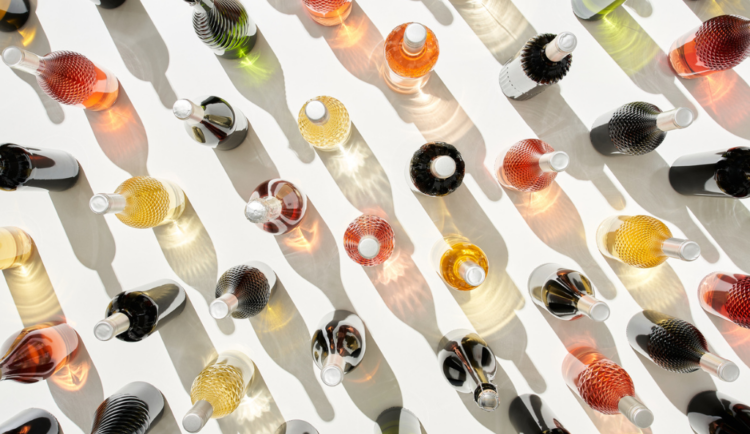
<point>338,346</point>
<point>36,353</point>
<point>726,296</point>
<point>565,293</point>
<point>642,241</point>
<point>369,240</point>
<point>529,165</point>
<point>543,61</point>
<point>328,12</point>
<point>411,51</point>
<point>108,4</point>
<point>142,202</point>
<point>711,412</point>
<point>718,44</point>
<point>296,427</point>
<point>469,365</point>
<point>717,174</point>
<point>14,14</point>
<point>243,291</point>
<point>324,123</point>
<point>15,247</point>
<point>676,345</point>
<point>594,9</point>
<point>32,421</point>
<point>604,385</point>
<point>636,128</point>
<point>397,420</point>
<point>276,206</point>
<point>67,77</point>
<point>130,410</point>
<point>461,264</point>
<point>529,414</point>
<point>212,122</point>
<point>134,315</point>
<point>435,169</point>
<point>224,26</point>
<point>48,169</point>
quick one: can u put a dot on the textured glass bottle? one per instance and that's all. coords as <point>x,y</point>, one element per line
<point>726,296</point>
<point>461,264</point>
<point>137,314</point>
<point>594,9</point>
<point>324,123</point>
<point>604,385</point>
<point>276,206</point>
<point>32,421</point>
<point>130,410</point>
<point>529,414</point>
<point>716,174</point>
<point>328,12</point>
<point>435,169</point>
<point>469,365</point>
<point>642,241</point>
<point>397,420</point>
<point>718,44</point>
<point>411,51</point>
<point>212,122</point>
<point>224,26</point>
<point>296,427</point>
<point>543,61</point>
<point>243,291</point>
<point>369,240</point>
<point>15,247</point>
<point>14,14</point>
<point>529,165</point>
<point>108,4</point>
<point>67,77</point>
<point>142,202</point>
<point>565,293</point>
<point>218,389</point>
<point>636,128</point>
<point>711,412</point>
<point>49,169</point>
<point>338,345</point>
<point>36,353</point>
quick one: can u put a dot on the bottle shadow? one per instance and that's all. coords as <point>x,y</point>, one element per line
<point>497,421</point>
<point>737,337</point>
<point>725,96</point>
<point>708,10</point>
<point>643,8</point>
<point>439,11</point>
<point>247,165</point>
<point>165,423</point>
<point>257,413</point>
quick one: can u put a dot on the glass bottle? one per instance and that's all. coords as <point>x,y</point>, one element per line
<point>565,293</point>
<point>397,420</point>
<point>461,264</point>
<point>338,345</point>
<point>134,315</point>
<point>32,421</point>
<point>711,412</point>
<point>130,410</point>
<point>435,169</point>
<point>15,247</point>
<point>411,51</point>
<point>726,296</point>
<point>469,365</point>
<point>14,14</point>
<point>49,169</point>
<point>529,165</point>
<point>716,174</point>
<point>276,206</point>
<point>718,44</point>
<point>543,61</point>
<point>594,9</point>
<point>108,4</point>
<point>324,123</point>
<point>328,12</point>
<point>604,385</point>
<point>369,240</point>
<point>224,26</point>
<point>218,389</point>
<point>243,291</point>
<point>296,427</point>
<point>636,128</point>
<point>67,77</point>
<point>642,241</point>
<point>37,352</point>
<point>529,414</point>
<point>212,122</point>
<point>142,202</point>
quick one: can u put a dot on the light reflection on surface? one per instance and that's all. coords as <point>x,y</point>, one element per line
<point>726,98</point>
<point>257,413</point>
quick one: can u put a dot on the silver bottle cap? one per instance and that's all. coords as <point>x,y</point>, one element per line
<point>443,167</point>
<point>197,416</point>
<point>563,44</point>
<point>186,110</point>
<point>21,59</point>
<point>472,273</point>
<point>317,112</point>
<point>332,373</point>
<point>415,37</point>
<point>488,400</point>
<point>368,247</point>
<point>223,306</point>
<point>104,203</point>
<point>721,368</point>
<point>593,308</point>
<point>263,210</point>
<point>112,326</point>
<point>681,249</point>
<point>554,161</point>
<point>680,117</point>
<point>635,411</point>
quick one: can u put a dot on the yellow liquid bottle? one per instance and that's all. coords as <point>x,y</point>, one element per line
<point>142,202</point>
<point>15,247</point>
<point>324,123</point>
<point>460,264</point>
<point>642,241</point>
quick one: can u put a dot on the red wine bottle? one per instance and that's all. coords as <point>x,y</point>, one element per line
<point>130,410</point>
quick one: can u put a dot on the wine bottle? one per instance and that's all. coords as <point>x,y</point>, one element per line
<point>594,9</point>
<point>324,123</point>
<point>636,128</point>
<point>726,296</point>
<point>716,174</point>
<point>48,169</point>
<point>411,51</point>
<point>461,264</point>
<point>37,352</point>
<point>243,291</point>
<point>32,421</point>
<point>435,169</point>
<point>469,365</point>
<point>130,410</point>
<point>369,240</point>
<point>565,293</point>
<point>529,414</point>
<point>328,12</point>
<point>14,14</point>
<point>276,206</point>
<point>134,315</point>
<point>543,61</point>
<point>338,346</point>
<point>142,202</point>
<point>711,412</point>
<point>296,427</point>
<point>212,122</point>
<point>15,247</point>
<point>224,26</point>
<point>529,165</point>
<point>108,4</point>
<point>67,77</point>
<point>397,420</point>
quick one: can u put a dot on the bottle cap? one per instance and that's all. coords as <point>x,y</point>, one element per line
<point>263,209</point>
<point>681,249</point>
<point>724,369</point>
<point>103,203</point>
<point>415,37</point>
<point>114,325</point>
<point>21,59</point>
<point>368,247</point>
<point>563,44</point>
<point>472,273</point>
<point>186,110</point>
<point>223,306</point>
<point>317,112</point>
<point>680,117</point>
<point>593,308</point>
<point>443,167</point>
<point>332,372</point>
<point>556,161</point>
<point>197,416</point>
<point>13,56</point>
<point>486,397</point>
<point>635,411</point>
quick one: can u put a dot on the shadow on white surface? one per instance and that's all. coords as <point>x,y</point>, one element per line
<point>248,165</point>
<point>708,9</point>
<point>165,423</point>
<point>726,98</point>
<point>643,8</point>
<point>258,412</point>
<point>737,337</point>
<point>438,10</point>
<point>496,421</point>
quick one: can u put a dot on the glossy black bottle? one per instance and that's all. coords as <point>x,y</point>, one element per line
<point>469,365</point>
<point>130,410</point>
<point>49,169</point>
<point>31,421</point>
<point>212,122</point>
<point>338,345</point>
<point>397,420</point>
<point>108,4</point>
<point>436,169</point>
<point>566,294</point>
<point>530,415</point>
<point>712,412</point>
<point>14,14</point>
<point>243,291</point>
<point>717,174</point>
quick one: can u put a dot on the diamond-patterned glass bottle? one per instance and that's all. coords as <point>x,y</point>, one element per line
<point>130,410</point>
<point>435,169</point>
<point>224,26</point>
<point>529,165</point>
<point>411,51</point>
<point>594,9</point>
<point>369,240</point>
<point>324,123</point>
<point>14,14</point>
<point>461,264</point>
<point>338,345</point>
<point>37,352</point>
<point>727,296</point>
<point>716,173</point>
<point>32,421</point>
<point>566,294</point>
<point>243,291</point>
<point>468,364</point>
<point>328,12</point>
<point>50,169</point>
<point>212,122</point>
<point>142,202</point>
<point>276,206</point>
<point>711,412</point>
<point>15,247</point>
<point>296,427</point>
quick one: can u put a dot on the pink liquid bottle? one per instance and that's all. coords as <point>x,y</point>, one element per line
<point>328,12</point>
<point>276,206</point>
<point>529,165</point>
<point>369,240</point>
<point>727,296</point>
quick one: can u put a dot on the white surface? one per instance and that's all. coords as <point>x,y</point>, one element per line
<point>151,47</point>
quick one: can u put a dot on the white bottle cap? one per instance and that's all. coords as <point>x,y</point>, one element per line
<point>415,37</point>
<point>197,416</point>
<point>21,59</point>
<point>112,326</point>
<point>368,247</point>
<point>681,249</point>
<point>554,161</point>
<point>223,306</point>
<point>472,273</point>
<point>443,167</point>
<point>635,411</point>
<point>593,308</point>
<point>186,110</point>
<point>488,400</point>
<point>317,112</point>
<point>332,373</point>
<point>103,203</point>
<point>724,369</point>
<point>680,117</point>
<point>563,44</point>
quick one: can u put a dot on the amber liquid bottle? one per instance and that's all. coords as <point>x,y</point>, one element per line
<point>469,366</point>
<point>716,174</point>
<point>36,353</point>
<point>15,247</point>
<point>130,410</point>
<point>142,202</point>
<point>397,420</point>
<point>565,293</point>
<point>296,427</point>
<point>48,169</point>
<point>461,264</point>
<point>276,206</point>
<point>726,296</point>
<point>529,165</point>
<point>14,14</point>
<point>243,291</point>
<point>411,51</point>
<point>324,123</point>
<point>369,240</point>
<point>711,412</point>
<point>529,414</point>
<point>435,169</point>
<point>328,12</point>
<point>31,421</point>
<point>338,346</point>
<point>212,122</point>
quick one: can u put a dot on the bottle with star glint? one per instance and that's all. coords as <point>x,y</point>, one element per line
<point>296,427</point>
<point>224,26</point>
<point>594,9</point>
<point>14,14</point>
<point>726,296</point>
<point>565,293</point>
<point>243,291</point>
<point>32,421</point>
<point>435,169</point>
<point>468,364</point>
<point>212,122</point>
<point>328,12</point>
<point>15,247</point>
<point>338,346</point>
<point>411,52</point>
<point>37,352</point>
<point>324,123</point>
<point>529,165</point>
<point>397,420</point>
<point>716,174</point>
<point>461,264</point>
<point>130,410</point>
<point>49,169</point>
<point>369,240</point>
<point>142,202</point>
<point>108,4</point>
<point>276,206</point>
<point>711,412</point>
<point>529,414</point>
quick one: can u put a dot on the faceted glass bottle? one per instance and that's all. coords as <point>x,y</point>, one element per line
<point>32,421</point>
<point>296,427</point>
<point>642,241</point>
<point>212,122</point>
<point>727,296</point>
<point>397,420</point>
<point>15,247</point>
<point>67,77</point>
<point>49,169</point>
<point>411,51</point>
<point>108,4</point>
<point>276,206</point>
<point>461,264</point>
<point>243,291</point>
<point>565,293</point>
<point>716,174</point>
<point>328,12</point>
<point>435,169</point>
<point>36,353</point>
<point>636,128</point>
<point>469,365</point>
<point>718,44</point>
<point>130,410</point>
<point>14,14</point>
<point>324,123</point>
<point>224,26</point>
<point>711,412</point>
<point>338,346</point>
<point>369,240</point>
<point>594,9</point>
<point>529,165</point>
<point>529,414</point>
<point>142,202</point>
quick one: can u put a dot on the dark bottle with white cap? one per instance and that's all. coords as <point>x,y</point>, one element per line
<point>243,291</point>
<point>567,294</point>
<point>529,414</point>
<point>212,122</point>
<point>411,51</point>
<point>716,174</point>
<point>32,421</point>
<point>296,427</point>
<point>711,412</point>
<point>49,169</point>
<point>276,206</point>
<point>324,123</point>
<point>108,4</point>
<point>130,410</point>
<point>636,128</point>
<point>469,365</point>
<point>543,61</point>
<point>435,169</point>
<point>397,420</point>
<point>338,345</point>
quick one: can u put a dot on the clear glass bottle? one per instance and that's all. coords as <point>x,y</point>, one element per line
<point>529,414</point>
<point>369,240</point>
<point>108,4</point>
<point>469,365</point>
<point>642,241</point>
<point>32,421</point>
<point>461,264</point>
<point>328,12</point>
<point>594,9</point>
<point>243,291</point>
<point>397,420</point>
<point>37,352</point>
<point>224,26</point>
<point>711,412</point>
<point>130,410</point>
<point>276,206</point>
<point>14,14</point>
<point>529,165</point>
<point>726,296</point>
<point>212,122</point>
<point>411,52</point>
<point>338,345</point>
<point>15,247</point>
<point>49,169</point>
<point>716,174</point>
<point>324,123</point>
<point>565,293</point>
<point>67,77</point>
<point>435,169</point>
<point>142,202</point>
<point>296,427</point>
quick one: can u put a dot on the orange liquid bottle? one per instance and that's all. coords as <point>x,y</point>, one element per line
<point>36,353</point>
<point>328,12</point>
<point>411,51</point>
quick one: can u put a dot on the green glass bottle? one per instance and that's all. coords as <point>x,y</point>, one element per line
<point>594,9</point>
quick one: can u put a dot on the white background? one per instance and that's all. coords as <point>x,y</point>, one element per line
<point>150,45</point>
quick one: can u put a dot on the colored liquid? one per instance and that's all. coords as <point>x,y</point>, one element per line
<point>13,14</point>
<point>293,205</point>
<point>636,241</point>
<point>334,133</point>
<point>671,343</point>
<point>718,44</point>
<point>223,384</point>
<point>712,412</point>
<point>558,290</point>
<point>455,254</point>
<point>225,27</point>
<point>600,382</point>
<point>340,333</point>
<point>518,168</point>
<point>36,353</point>
<point>150,202</point>
<point>408,65</point>
<point>420,173</point>
<point>31,421</point>
<point>15,247</point>
<point>727,296</point>
<point>369,226</point>
<point>328,12</point>
<point>72,79</point>
<point>594,9</point>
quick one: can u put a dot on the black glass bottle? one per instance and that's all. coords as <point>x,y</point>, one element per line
<point>14,14</point>
<point>565,293</point>
<point>212,122</point>
<point>436,169</point>
<point>296,427</point>
<point>135,315</point>
<point>130,410</point>
<point>338,345</point>
<point>31,421</point>
<point>717,174</point>
<point>397,420</point>
<point>711,412</point>
<point>243,291</point>
<point>49,169</point>
<point>108,4</point>
<point>224,26</point>
<point>469,365</point>
<point>530,415</point>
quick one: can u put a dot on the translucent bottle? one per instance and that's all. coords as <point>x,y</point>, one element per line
<point>723,173</point>
<point>529,414</point>
<point>324,123</point>
<point>594,9</point>
<point>15,247</point>
<point>224,26</point>
<point>243,291</point>
<point>469,365</point>
<point>411,51</point>
<point>726,296</point>
<point>435,169</point>
<point>338,345</point>
<point>49,169</point>
<point>212,122</point>
<point>328,12</point>
<point>529,165</point>
<point>142,202</point>
<point>565,293</point>
<point>276,206</point>
<point>130,410</point>
<point>32,421</point>
<point>37,352</point>
<point>296,427</point>
<point>14,14</point>
<point>711,412</point>
<point>108,4</point>
<point>461,264</point>
<point>397,420</point>
<point>369,240</point>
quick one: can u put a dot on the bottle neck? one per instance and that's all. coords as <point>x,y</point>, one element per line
<point>635,411</point>
<point>263,210</point>
<point>104,203</point>
<point>223,306</point>
<point>554,162</point>
<point>415,38</point>
<point>472,273</point>
<point>674,119</point>
<point>333,370</point>
<point>678,248</point>
<point>560,47</point>
<point>197,416</point>
<point>114,325</point>
<point>596,310</point>
<point>189,112</point>
<point>22,60</point>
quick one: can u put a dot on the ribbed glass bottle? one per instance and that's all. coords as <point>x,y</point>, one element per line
<point>543,61</point>
<point>411,52</point>
<point>243,291</point>
<point>142,202</point>
<point>224,26</point>
<point>130,410</point>
<point>711,412</point>
<point>328,12</point>
<point>324,123</point>
<point>338,345</point>
<point>49,169</point>
<point>529,165</point>
<point>435,169</point>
